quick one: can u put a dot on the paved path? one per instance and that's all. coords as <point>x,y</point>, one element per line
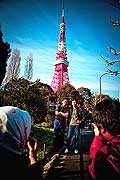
<point>69,167</point>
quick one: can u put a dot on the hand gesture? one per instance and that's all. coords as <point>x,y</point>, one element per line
<point>33,148</point>
<point>96,130</point>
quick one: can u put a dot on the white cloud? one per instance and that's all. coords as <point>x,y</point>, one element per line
<point>84,70</point>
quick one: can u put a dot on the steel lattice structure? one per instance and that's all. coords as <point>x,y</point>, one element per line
<point>61,63</point>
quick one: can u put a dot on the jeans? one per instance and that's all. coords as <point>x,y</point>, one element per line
<point>58,141</point>
<point>73,130</point>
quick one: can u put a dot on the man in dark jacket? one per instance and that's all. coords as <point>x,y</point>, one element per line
<point>60,123</point>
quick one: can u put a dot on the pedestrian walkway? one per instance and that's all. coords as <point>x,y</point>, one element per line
<point>69,167</point>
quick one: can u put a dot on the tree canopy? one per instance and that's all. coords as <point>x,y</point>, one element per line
<point>4,55</point>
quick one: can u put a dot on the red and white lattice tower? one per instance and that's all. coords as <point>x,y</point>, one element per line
<point>61,63</point>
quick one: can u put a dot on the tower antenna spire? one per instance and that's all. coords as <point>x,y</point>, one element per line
<point>62,12</point>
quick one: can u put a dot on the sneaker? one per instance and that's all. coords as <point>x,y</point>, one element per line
<point>66,151</point>
<point>76,151</point>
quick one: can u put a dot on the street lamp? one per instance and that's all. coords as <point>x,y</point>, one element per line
<point>109,72</point>
<point>100,83</point>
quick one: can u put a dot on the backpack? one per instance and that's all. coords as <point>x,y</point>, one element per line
<point>112,153</point>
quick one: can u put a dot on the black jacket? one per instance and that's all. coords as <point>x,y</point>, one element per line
<point>14,166</point>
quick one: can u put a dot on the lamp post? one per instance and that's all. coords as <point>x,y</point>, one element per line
<point>100,82</point>
<point>109,72</point>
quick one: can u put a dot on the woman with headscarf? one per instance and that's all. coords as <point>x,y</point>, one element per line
<point>15,127</point>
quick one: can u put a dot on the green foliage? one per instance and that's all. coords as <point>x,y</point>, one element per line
<point>4,55</point>
<point>84,93</point>
<point>103,97</point>
<point>50,116</point>
<point>44,136</point>
<point>1,98</point>
<point>66,91</point>
<point>95,99</point>
<point>27,95</point>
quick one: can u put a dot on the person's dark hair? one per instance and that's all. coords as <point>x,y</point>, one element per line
<point>107,115</point>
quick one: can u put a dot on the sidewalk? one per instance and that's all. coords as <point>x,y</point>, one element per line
<point>69,167</point>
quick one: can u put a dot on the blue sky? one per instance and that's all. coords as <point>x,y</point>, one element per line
<point>32,26</point>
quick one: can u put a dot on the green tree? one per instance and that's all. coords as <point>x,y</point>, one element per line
<point>95,99</point>
<point>13,69</point>
<point>4,55</point>
<point>84,92</point>
<point>26,95</point>
<point>28,71</point>
<point>67,91</point>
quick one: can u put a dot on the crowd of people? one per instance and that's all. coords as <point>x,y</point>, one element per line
<point>69,118</point>
<point>15,128</point>
<point>105,147</point>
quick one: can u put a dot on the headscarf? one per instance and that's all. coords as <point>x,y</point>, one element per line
<point>15,126</point>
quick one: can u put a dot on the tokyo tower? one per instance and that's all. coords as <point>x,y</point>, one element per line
<point>61,63</point>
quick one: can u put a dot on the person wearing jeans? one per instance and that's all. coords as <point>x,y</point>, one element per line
<point>74,127</point>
